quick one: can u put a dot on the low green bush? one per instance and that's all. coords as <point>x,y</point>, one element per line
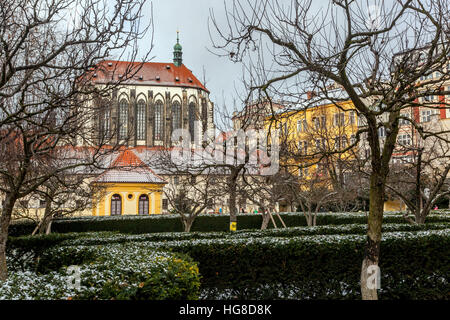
<point>104,238</point>
<point>203,223</point>
<point>414,265</point>
<point>23,251</point>
<point>121,272</point>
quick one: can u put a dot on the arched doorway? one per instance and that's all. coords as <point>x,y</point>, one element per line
<point>116,205</point>
<point>143,204</point>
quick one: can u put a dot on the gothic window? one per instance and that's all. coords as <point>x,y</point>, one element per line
<point>143,204</point>
<point>140,120</point>
<point>192,118</point>
<point>123,119</point>
<point>204,116</point>
<point>116,205</point>
<point>159,120</point>
<point>105,124</point>
<point>176,115</point>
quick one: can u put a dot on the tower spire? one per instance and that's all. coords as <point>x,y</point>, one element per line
<point>177,52</point>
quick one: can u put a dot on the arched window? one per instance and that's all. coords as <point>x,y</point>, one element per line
<point>106,119</point>
<point>192,118</point>
<point>143,204</point>
<point>105,124</point>
<point>158,120</point>
<point>140,120</point>
<point>123,119</point>
<point>116,205</point>
<point>176,115</point>
<point>204,115</point>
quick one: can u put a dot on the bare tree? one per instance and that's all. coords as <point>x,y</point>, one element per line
<point>50,54</point>
<point>420,176</point>
<point>191,188</point>
<point>191,197</point>
<point>378,54</point>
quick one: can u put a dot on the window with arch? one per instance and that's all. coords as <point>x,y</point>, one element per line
<point>158,120</point>
<point>192,118</point>
<point>105,124</point>
<point>204,115</point>
<point>143,204</point>
<point>123,119</point>
<point>176,115</point>
<point>116,205</point>
<point>140,120</point>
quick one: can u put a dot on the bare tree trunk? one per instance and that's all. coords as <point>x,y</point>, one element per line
<point>49,227</point>
<point>309,218</point>
<point>375,220</point>
<point>232,200</point>
<point>48,215</point>
<point>266,218</point>
<point>420,217</point>
<point>4,225</point>
<point>187,223</point>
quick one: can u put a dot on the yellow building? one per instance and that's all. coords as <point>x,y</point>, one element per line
<point>317,130</point>
<point>129,187</point>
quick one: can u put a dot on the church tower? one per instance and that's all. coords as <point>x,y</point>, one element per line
<point>177,53</point>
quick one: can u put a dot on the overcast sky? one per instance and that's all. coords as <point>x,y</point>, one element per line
<point>191,19</point>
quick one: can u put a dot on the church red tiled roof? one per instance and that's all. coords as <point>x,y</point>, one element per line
<point>127,158</point>
<point>128,167</point>
<point>146,73</point>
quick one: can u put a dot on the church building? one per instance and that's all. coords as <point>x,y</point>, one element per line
<point>151,101</point>
<point>154,99</point>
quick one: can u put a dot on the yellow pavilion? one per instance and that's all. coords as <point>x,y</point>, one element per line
<point>128,187</point>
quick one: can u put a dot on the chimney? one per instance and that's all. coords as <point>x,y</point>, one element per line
<point>310,94</point>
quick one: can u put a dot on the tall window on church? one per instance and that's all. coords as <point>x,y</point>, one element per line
<point>176,115</point>
<point>204,116</point>
<point>123,119</point>
<point>140,120</point>
<point>192,119</point>
<point>105,124</point>
<point>158,120</point>
<point>106,119</point>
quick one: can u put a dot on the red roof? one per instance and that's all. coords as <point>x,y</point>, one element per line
<point>127,158</point>
<point>128,167</point>
<point>146,73</point>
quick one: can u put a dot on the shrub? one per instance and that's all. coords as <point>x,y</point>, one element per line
<point>22,252</point>
<point>204,223</point>
<point>99,239</point>
<point>414,265</point>
<point>115,272</point>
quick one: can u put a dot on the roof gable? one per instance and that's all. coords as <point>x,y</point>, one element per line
<point>147,73</point>
<point>128,167</point>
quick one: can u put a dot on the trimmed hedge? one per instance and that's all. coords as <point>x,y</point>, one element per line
<point>204,223</point>
<point>245,265</point>
<point>414,265</point>
<point>260,264</point>
<point>102,239</point>
<point>37,244</point>
<point>115,272</point>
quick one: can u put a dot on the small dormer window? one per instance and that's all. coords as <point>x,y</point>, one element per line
<point>95,75</point>
<point>189,79</point>
<point>141,77</point>
<point>177,79</point>
<point>157,78</point>
<point>167,67</point>
<point>109,64</point>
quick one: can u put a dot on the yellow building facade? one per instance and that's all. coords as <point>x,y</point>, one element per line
<point>129,187</point>
<point>316,130</point>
